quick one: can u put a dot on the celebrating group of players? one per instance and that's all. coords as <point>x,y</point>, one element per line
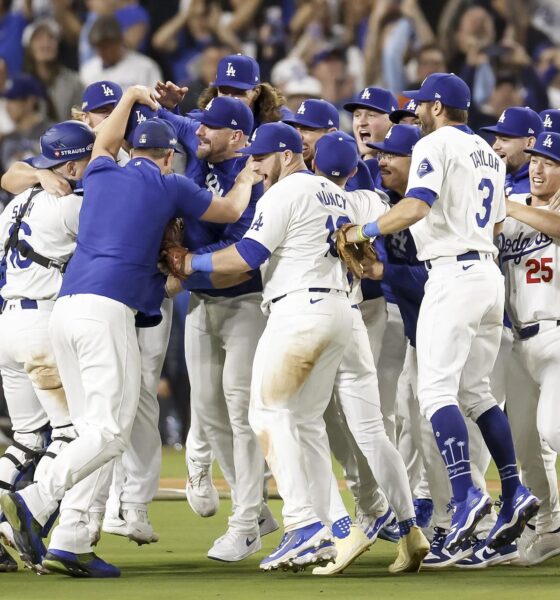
<point>398,361</point>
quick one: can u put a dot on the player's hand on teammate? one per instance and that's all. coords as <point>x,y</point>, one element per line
<point>555,202</point>
<point>53,183</point>
<point>170,94</point>
<point>250,171</point>
<point>172,286</point>
<point>372,269</point>
<point>143,95</point>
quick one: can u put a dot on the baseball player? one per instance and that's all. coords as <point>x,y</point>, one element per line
<point>455,201</point>
<point>304,338</point>
<point>93,324</point>
<point>357,391</point>
<point>38,235</point>
<point>405,115</point>
<point>528,252</point>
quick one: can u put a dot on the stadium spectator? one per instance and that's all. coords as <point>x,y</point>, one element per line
<point>12,25</point>
<point>62,85</point>
<point>114,61</point>
<point>6,123</point>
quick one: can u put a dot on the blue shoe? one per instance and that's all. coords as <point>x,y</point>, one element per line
<point>27,531</point>
<point>483,556</point>
<point>372,526</point>
<point>79,565</point>
<point>307,545</point>
<point>390,532</point>
<point>7,563</point>
<point>440,557</point>
<point>513,517</point>
<point>424,509</point>
<point>466,516</point>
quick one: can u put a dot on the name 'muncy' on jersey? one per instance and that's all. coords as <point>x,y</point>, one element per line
<point>467,177</point>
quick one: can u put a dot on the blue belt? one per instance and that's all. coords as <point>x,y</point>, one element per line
<point>323,290</point>
<point>470,255</point>
<point>530,331</point>
<point>25,303</point>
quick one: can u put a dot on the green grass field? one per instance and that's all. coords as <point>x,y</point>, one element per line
<point>177,568</point>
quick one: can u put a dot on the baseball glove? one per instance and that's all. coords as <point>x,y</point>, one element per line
<point>352,255</point>
<point>174,258</point>
<point>173,234</point>
<point>172,251</point>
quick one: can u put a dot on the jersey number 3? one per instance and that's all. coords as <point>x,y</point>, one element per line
<point>486,187</point>
<point>331,228</point>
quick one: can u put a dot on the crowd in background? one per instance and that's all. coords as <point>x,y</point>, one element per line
<point>508,51</point>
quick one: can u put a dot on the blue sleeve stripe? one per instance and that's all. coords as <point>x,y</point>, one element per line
<point>425,194</point>
<point>252,252</point>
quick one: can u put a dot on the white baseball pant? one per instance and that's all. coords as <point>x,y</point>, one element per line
<point>293,375</point>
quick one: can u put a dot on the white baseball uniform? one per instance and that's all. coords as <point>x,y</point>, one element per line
<point>460,321</point>
<point>529,261</point>
<point>304,339</point>
<point>30,376</point>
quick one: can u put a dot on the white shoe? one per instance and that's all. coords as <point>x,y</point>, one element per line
<point>202,495</point>
<point>543,547</point>
<point>7,534</point>
<point>523,542</point>
<point>347,551</point>
<point>234,546</point>
<point>138,526</point>
<point>94,527</point>
<point>267,522</point>
<point>114,525</point>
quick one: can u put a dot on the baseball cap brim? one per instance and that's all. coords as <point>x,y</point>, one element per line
<point>415,95</point>
<point>541,152</point>
<point>352,106</point>
<point>207,119</point>
<point>256,149</point>
<point>100,105</point>
<point>385,148</point>
<point>305,123</point>
<point>503,131</point>
<point>398,115</point>
<point>238,85</point>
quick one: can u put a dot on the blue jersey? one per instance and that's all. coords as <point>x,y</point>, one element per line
<point>201,237</point>
<point>404,276</point>
<point>373,167</point>
<point>518,182</point>
<point>122,220</point>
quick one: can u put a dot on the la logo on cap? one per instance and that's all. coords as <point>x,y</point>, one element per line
<point>230,71</point>
<point>502,117</point>
<point>107,91</point>
<point>366,95</point>
<point>301,109</point>
<point>209,105</point>
<point>547,142</point>
<point>547,121</point>
<point>411,105</point>
<point>140,118</point>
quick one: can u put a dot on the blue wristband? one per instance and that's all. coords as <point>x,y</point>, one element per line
<point>202,262</point>
<point>371,229</point>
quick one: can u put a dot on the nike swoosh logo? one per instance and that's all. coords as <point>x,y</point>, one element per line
<point>249,541</point>
<point>467,267</point>
<point>315,300</point>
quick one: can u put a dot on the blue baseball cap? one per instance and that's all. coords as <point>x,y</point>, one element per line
<point>69,140</point>
<point>314,113</point>
<point>227,112</point>
<point>274,137</point>
<point>336,154</point>
<point>155,133</point>
<point>517,121</point>
<point>374,98</point>
<point>138,114</point>
<point>449,89</point>
<point>238,71</point>
<point>23,86</point>
<point>551,119</point>
<point>400,139</point>
<point>408,110</point>
<point>547,144</point>
<point>101,93</point>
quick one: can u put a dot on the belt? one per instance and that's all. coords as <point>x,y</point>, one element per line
<point>530,331</point>
<point>313,290</point>
<point>470,255</point>
<point>25,304</point>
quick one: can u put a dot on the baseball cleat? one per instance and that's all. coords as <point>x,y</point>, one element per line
<point>439,557</point>
<point>466,516</point>
<point>312,544</point>
<point>134,525</point>
<point>372,525</point>
<point>7,563</point>
<point>202,495</point>
<point>79,565</point>
<point>423,509</point>
<point>348,549</point>
<point>267,522</point>
<point>411,550</point>
<point>541,547</point>
<point>513,516</point>
<point>483,557</point>
<point>26,530</point>
<point>234,546</point>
